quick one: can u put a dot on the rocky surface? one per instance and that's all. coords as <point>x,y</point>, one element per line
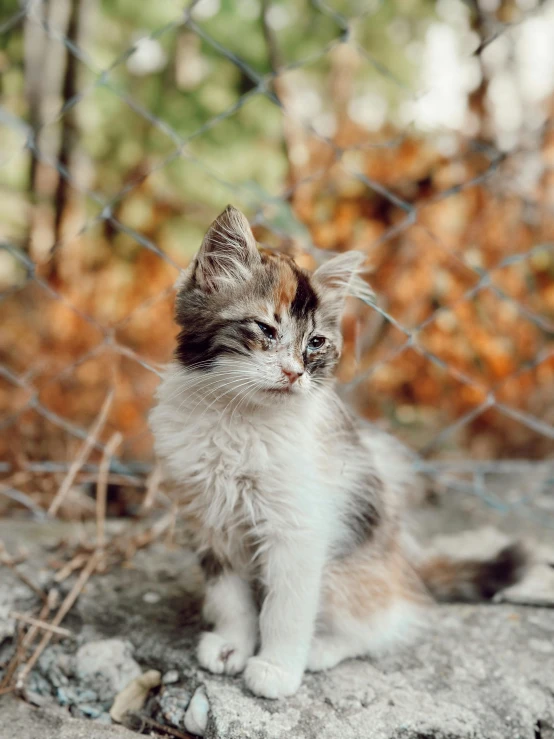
<point>18,720</point>
<point>479,672</point>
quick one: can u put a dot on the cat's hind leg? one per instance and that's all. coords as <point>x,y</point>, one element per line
<point>370,604</point>
<point>230,606</point>
<point>328,649</point>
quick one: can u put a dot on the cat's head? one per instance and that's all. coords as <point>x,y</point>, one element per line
<point>255,325</point>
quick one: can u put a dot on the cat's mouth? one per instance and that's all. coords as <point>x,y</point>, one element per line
<point>285,390</point>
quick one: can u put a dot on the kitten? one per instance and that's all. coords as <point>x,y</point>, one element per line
<point>293,506</point>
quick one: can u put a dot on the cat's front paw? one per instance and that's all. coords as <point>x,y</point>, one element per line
<point>270,680</point>
<point>220,655</point>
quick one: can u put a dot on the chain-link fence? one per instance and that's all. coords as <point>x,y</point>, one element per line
<point>420,133</point>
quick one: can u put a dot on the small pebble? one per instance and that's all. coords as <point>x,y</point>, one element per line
<point>105,667</point>
<point>170,677</point>
<point>172,705</point>
<point>151,597</point>
<point>196,717</point>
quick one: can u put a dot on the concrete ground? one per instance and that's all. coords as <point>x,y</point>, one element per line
<point>479,672</point>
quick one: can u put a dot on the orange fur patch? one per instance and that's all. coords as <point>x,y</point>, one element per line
<point>285,289</point>
<point>364,584</point>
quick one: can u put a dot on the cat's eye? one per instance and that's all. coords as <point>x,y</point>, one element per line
<point>316,342</point>
<point>268,331</point>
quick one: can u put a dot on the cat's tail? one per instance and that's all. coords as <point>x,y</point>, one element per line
<point>472,580</point>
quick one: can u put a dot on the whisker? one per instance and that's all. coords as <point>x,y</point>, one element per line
<point>217,379</point>
<point>234,384</point>
<point>256,387</point>
<point>235,388</point>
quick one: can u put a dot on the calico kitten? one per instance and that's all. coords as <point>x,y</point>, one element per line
<point>293,506</point>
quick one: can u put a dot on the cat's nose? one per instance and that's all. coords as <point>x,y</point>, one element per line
<point>292,375</point>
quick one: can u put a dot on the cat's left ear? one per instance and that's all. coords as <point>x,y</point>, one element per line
<point>228,253</point>
<point>341,276</point>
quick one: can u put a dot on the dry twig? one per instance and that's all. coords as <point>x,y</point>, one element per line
<point>83,454</point>
<point>23,642</point>
<point>102,488</point>
<point>151,724</point>
<point>74,564</point>
<point>58,618</point>
<point>40,624</point>
<point>126,545</point>
<point>51,603</point>
<point>152,488</point>
<point>6,683</point>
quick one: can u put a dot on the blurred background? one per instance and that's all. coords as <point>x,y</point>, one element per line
<point>418,132</point>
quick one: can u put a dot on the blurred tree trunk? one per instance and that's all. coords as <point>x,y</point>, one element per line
<point>35,54</point>
<point>50,82</point>
<point>68,132</point>
<point>35,42</point>
<point>293,131</point>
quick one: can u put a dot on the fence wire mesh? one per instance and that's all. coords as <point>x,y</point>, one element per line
<point>419,133</point>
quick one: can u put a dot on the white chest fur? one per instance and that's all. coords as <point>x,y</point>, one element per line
<point>258,473</point>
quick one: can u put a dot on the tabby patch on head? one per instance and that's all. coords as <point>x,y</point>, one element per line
<point>266,328</point>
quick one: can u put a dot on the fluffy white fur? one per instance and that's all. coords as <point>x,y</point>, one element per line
<point>265,470</point>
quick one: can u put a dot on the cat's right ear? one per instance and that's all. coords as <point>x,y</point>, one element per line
<point>342,276</point>
<point>228,254</point>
